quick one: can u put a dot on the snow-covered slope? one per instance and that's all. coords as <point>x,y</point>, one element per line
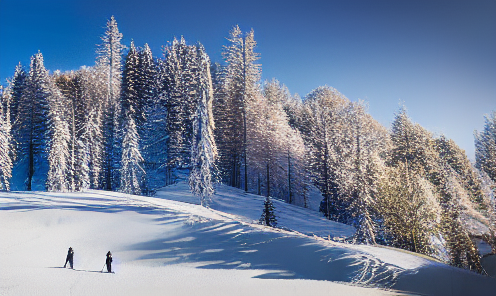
<point>169,245</point>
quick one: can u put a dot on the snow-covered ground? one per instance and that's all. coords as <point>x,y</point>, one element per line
<point>169,245</point>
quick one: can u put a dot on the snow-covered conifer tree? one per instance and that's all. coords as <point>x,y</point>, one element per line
<point>268,217</point>
<point>30,129</point>
<point>130,89</point>
<point>131,171</point>
<point>5,138</point>
<point>485,147</point>
<point>147,84</point>
<point>203,148</point>
<point>181,71</point>
<point>320,130</point>
<point>18,86</point>
<point>406,190</point>
<point>240,88</point>
<point>109,63</point>
<point>59,176</point>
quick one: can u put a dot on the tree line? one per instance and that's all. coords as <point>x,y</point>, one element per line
<point>134,123</point>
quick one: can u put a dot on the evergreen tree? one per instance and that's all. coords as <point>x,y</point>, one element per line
<point>240,88</point>
<point>203,148</point>
<point>18,86</point>
<point>268,217</point>
<point>320,130</point>
<point>131,171</point>
<point>485,147</point>
<point>91,139</point>
<point>406,189</point>
<point>109,63</point>
<point>30,128</point>
<point>59,176</point>
<point>130,96</point>
<point>147,84</point>
<point>76,106</point>
<point>5,139</point>
<point>181,71</point>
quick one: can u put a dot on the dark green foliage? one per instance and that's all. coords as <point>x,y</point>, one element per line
<point>268,217</point>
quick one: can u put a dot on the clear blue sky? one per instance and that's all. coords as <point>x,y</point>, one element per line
<point>438,57</point>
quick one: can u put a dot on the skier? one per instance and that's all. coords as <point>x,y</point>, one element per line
<point>70,258</point>
<point>109,262</point>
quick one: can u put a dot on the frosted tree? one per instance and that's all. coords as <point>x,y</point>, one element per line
<point>147,84</point>
<point>456,158</point>
<point>109,63</point>
<point>59,176</point>
<point>5,138</point>
<point>268,217</point>
<point>73,86</point>
<point>94,93</point>
<point>240,87</point>
<point>203,148</point>
<point>406,189</point>
<point>359,178</point>
<point>150,119</point>
<point>485,147</point>
<point>18,85</point>
<point>131,171</point>
<point>462,250</point>
<point>286,144</point>
<point>320,129</point>
<point>30,128</point>
<point>130,89</point>
<point>181,86</point>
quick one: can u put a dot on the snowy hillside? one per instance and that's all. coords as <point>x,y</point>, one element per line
<point>169,245</point>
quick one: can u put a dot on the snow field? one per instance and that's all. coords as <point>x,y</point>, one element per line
<point>162,246</point>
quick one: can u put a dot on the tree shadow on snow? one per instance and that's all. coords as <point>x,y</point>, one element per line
<point>231,245</point>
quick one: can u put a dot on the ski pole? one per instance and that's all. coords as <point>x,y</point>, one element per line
<point>103,266</point>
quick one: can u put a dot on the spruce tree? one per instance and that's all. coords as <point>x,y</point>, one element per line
<point>109,63</point>
<point>240,87</point>
<point>180,67</point>
<point>485,147</point>
<point>268,217</point>
<point>30,128</point>
<point>5,139</point>
<point>59,176</point>
<point>131,171</point>
<point>320,130</point>
<point>203,148</point>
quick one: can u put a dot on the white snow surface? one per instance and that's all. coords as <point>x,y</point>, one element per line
<point>170,245</point>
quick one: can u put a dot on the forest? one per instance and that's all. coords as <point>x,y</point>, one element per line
<point>135,122</point>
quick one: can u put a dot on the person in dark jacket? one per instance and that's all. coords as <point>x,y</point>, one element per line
<point>70,258</point>
<point>109,262</point>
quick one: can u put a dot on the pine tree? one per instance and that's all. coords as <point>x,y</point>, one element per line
<point>268,217</point>
<point>91,140</point>
<point>18,86</point>
<point>30,128</point>
<point>59,176</point>
<point>240,88</point>
<point>131,171</point>
<point>406,189</point>
<point>319,127</point>
<point>485,147</point>
<point>203,148</point>
<point>5,139</point>
<point>109,63</point>
<point>181,70</point>
<point>77,104</point>
<point>147,84</point>
<point>130,95</point>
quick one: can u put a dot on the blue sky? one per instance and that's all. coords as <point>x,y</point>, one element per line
<point>438,57</point>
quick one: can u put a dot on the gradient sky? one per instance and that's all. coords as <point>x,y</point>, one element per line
<point>438,57</point>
